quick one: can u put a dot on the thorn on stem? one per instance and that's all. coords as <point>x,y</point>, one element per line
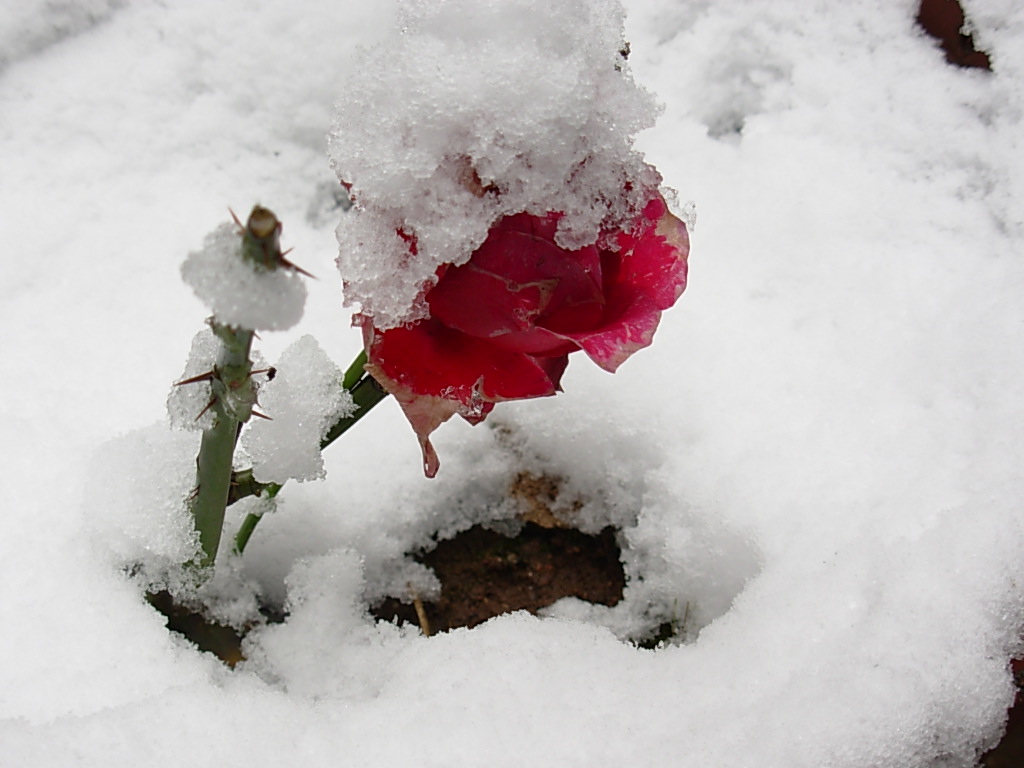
<point>208,376</point>
<point>271,372</point>
<point>289,265</point>
<point>234,218</point>
<point>209,405</point>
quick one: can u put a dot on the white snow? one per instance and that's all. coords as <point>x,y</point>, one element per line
<point>190,395</point>
<point>303,400</point>
<point>241,294</point>
<point>816,465</point>
<point>140,481</point>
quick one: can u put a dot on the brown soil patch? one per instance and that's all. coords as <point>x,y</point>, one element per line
<point>945,21</point>
<point>484,574</point>
<point>223,642</point>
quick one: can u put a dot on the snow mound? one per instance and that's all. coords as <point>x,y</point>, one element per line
<point>144,478</point>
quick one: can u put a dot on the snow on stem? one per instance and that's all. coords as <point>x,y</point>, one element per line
<point>233,392</point>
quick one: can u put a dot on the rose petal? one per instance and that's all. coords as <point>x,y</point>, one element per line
<point>425,414</point>
<point>486,305</point>
<point>520,251</point>
<point>649,277</point>
<point>435,372</point>
<point>521,291</point>
<point>654,260</point>
<point>554,367</point>
<point>432,359</point>
<point>611,346</point>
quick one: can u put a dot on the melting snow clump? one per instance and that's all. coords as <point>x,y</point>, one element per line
<point>239,294</point>
<point>187,403</point>
<point>474,110</point>
<point>303,400</point>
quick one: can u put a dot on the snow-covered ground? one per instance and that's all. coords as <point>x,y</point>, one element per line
<point>816,464</point>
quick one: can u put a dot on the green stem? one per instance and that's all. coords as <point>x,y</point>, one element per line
<point>208,505</point>
<point>251,520</point>
<point>243,485</point>
<point>365,394</point>
<point>245,531</point>
<point>355,372</point>
<point>213,466</point>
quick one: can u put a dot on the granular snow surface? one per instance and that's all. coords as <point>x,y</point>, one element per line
<point>814,469</point>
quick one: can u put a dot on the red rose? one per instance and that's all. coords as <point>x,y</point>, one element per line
<point>501,326</point>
